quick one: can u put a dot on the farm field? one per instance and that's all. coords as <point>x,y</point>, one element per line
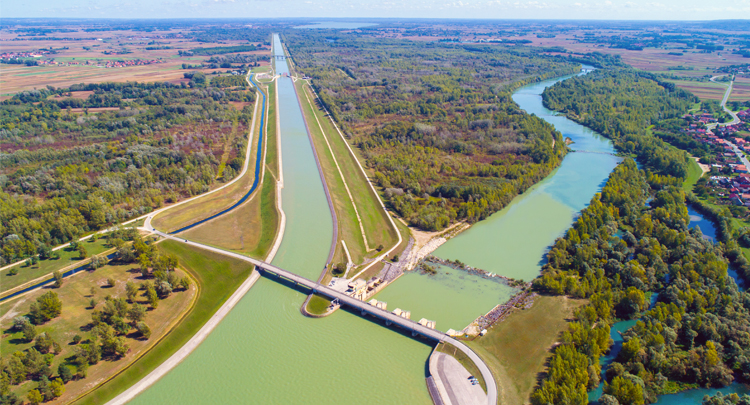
<point>740,89</point>
<point>704,90</point>
<point>87,55</point>
<point>76,296</point>
<point>649,59</point>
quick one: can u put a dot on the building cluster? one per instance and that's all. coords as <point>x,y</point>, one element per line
<point>362,290</point>
<point>734,185</point>
<point>704,118</point>
<point>23,55</point>
<point>735,189</point>
<point>128,63</point>
<point>37,57</point>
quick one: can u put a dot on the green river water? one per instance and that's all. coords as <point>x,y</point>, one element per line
<point>512,242</point>
<point>266,352</point>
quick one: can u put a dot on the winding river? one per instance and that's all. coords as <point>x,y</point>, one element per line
<point>265,351</point>
<point>512,242</point>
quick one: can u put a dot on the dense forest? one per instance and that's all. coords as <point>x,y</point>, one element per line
<point>622,104</point>
<point>633,241</point>
<point>435,122</point>
<point>619,251</point>
<point>79,159</point>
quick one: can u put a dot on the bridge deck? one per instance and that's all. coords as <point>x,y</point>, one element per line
<point>354,303</point>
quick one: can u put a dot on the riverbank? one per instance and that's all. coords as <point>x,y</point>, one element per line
<point>517,349</point>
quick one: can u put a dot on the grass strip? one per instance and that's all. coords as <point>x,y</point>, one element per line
<point>218,277</point>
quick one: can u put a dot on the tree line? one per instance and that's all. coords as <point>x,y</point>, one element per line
<point>618,252</point>
<point>435,122</point>
<point>633,241</point>
<point>68,173</point>
<point>112,323</point>
<point>622,104</point>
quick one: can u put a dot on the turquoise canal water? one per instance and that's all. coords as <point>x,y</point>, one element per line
<point>695,397</point>
<point>697,220</point>
<point>690,397</point>
<point>709,232</point>
<point>265,351</point>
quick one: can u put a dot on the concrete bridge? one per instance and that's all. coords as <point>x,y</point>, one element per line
<point>363,307</point>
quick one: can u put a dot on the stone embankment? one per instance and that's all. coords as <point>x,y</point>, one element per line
<point>457,265</point>
<point>522,300</point>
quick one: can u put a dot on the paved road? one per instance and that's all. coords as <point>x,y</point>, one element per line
<point>188,348</point>
<point>453,382</point>
<point>362,306</point>
<point>115,227</point>
<point>740,154</point>
<point>735,119</point>
<point>258,162</point>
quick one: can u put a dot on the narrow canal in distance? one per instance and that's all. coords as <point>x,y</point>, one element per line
<point>265,351</point>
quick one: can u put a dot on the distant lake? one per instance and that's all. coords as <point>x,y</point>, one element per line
<point>336,25</point>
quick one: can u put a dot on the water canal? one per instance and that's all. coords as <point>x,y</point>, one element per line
<point>513,241</point>
<point>265,351</point>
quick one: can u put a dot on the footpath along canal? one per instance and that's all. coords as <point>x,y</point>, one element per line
<point>513,242</point>
<point>265,351</point>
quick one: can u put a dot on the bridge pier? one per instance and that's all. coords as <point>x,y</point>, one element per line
<point>414,333</point>
<point>388,323</point>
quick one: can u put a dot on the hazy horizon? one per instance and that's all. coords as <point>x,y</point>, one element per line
<point>664,10</point>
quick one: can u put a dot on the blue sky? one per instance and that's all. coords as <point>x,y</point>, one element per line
<point>486,9</point>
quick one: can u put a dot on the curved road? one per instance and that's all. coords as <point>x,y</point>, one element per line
<point>258,165</point>
<point>389,317</point>
<point>735,119</point>
<point>154,213</point>
<point>364,307</point>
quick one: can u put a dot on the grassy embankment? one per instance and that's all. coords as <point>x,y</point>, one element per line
<point>250,228</point>
<point>217,277</point>
<point>694,174</point>
<point>689,183</point>
<point>374,222</point>
<point>516,350</point>
<point>69,258</point>
<point>76,295</point>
